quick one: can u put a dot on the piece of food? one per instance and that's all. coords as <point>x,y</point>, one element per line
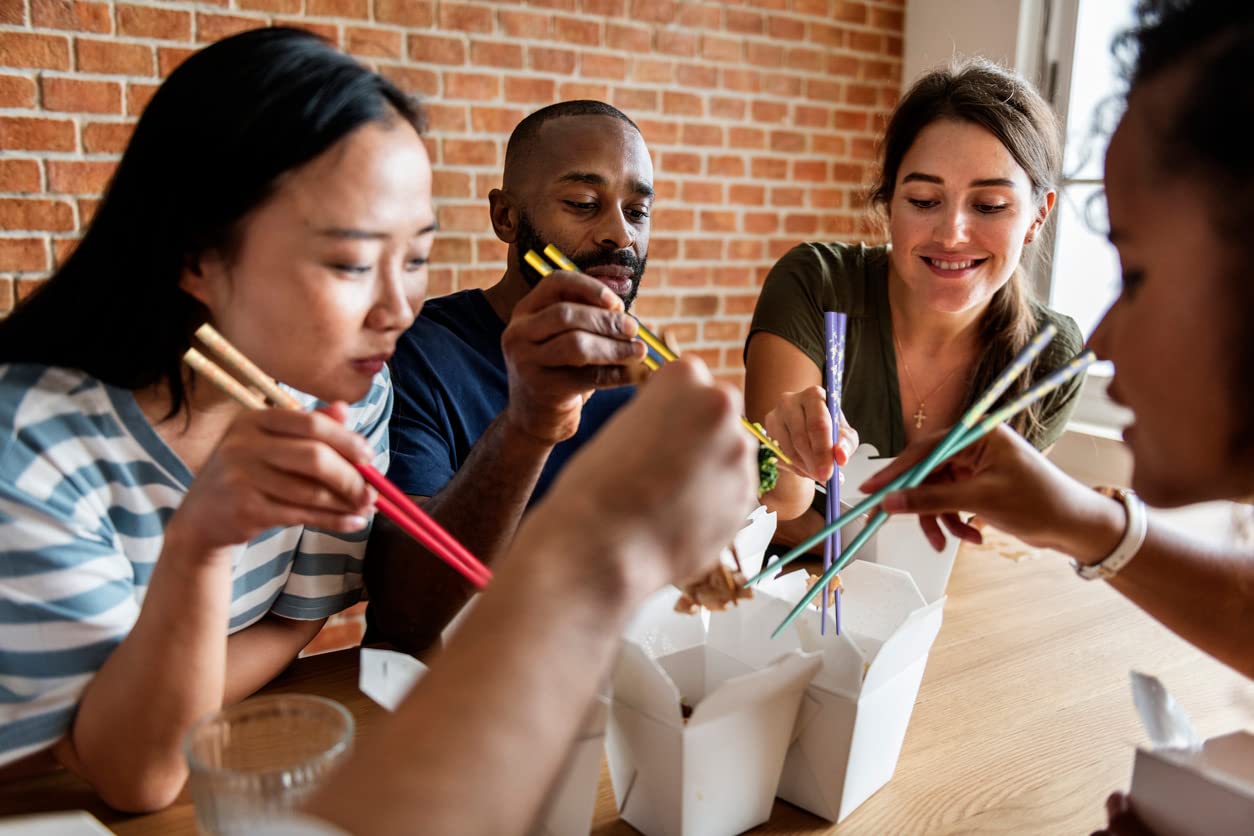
<point>832,589</point>
<point>723,586</point>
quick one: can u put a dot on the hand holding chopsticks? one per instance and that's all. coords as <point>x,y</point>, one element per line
<point>646,336</point>
<point>973,426</point>
<point>392,502</point>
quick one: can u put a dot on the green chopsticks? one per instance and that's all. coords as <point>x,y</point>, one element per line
<point>973,426</point>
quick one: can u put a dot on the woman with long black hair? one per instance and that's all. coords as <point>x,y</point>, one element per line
<point>164,550</point>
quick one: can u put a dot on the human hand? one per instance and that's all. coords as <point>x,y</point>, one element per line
<point>568,337</point>
<point>1123,820</point>
<point>1011,486</point>
<point>273,468</point>
<point>664,487</point>
<point>802,427</point>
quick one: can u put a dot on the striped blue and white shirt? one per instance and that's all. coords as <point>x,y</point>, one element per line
<point>86,488</point>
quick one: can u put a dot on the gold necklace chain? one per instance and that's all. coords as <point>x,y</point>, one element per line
<point>920,414</point>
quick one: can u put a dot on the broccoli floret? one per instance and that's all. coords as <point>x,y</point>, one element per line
<point>768,470</point>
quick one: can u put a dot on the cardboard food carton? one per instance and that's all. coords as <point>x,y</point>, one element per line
<point>899,542</point>
<point>752,540</point>
<point>856,710</point>
<point>386,677</point>
<point>700,720</point>
<point>1185,786</point>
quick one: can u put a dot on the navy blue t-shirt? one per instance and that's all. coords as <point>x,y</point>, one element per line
<point>449,382</point>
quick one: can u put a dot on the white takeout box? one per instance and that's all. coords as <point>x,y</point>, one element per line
<point>1184,786</point>
<point>751,541</point>
<point>1181,792</point>
<point>854,716</point>
<point>716,773</point>
<point>386,677</point>
<point>899,542</point>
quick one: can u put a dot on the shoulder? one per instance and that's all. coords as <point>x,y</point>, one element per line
<point>42,406</point>
<point>1069,341</point>
<point>446,328</point>
<point>455,312</point>
<point>841,267</point>
<point>833,257</point>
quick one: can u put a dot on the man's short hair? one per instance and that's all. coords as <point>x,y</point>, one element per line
<point>525,133</point>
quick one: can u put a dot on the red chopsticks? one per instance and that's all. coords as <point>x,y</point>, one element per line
<point>392,502</point>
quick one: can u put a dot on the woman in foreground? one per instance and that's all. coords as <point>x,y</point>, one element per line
<point>1178,181</point>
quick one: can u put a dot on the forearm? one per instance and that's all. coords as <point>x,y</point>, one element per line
<point>259,653</point>
<point>414,594</point>
<point>791,497</point>
<point>511,689</point>
<point>1203,593</point>
<point>165,675</point>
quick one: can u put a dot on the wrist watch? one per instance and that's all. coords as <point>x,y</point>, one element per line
<point>1133,537</point>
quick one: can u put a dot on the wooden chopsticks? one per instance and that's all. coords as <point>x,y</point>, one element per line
<point>392,501</point>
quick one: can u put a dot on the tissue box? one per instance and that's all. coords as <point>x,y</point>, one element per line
<point>386,677</point>
<point>900,542</point>
<point>854,716</point>
<point>1187,792</point>
<point>715,772</point>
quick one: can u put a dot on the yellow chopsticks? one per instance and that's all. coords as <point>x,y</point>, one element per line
<point>648,338</point>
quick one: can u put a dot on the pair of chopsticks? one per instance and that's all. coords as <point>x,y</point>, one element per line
<point>834,326</point>
<point>391,502</point>
<point>973,426</point>
<point>647,337</point>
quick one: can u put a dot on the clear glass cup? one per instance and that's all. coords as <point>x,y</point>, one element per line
<point>254,761</point>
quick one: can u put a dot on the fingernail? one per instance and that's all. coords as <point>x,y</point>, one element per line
<point>627,326</point>
<point>355,522</point>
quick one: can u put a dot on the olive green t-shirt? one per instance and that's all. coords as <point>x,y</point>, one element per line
<point>817,277</point>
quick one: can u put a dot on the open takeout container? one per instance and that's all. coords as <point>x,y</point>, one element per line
<point>899,543</point>
<point>856,710</point>
<point>714,771</point>
<point>1185,786</point>
<point>386,677</point>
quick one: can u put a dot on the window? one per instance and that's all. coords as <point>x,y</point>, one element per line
<point>1085,86</point>
<point>1087,92</point>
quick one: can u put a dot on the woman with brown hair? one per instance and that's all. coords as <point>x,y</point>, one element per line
<point>967,181</point>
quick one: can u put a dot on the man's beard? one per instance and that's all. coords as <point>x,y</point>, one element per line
<point>529,239</point>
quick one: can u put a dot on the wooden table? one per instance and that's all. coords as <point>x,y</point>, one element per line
<point>1024,721</point>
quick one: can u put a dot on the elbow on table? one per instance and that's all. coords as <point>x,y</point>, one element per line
<point>144,794</point>
<point>127,787</point>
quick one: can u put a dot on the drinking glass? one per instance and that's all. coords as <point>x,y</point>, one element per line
<point>254,761</point>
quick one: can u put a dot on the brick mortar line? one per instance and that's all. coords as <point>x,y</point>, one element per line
<point>193,6</point>
<point>525,72</point>
<point>268,18</point>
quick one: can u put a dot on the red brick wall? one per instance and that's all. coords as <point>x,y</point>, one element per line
<point>761,116</point>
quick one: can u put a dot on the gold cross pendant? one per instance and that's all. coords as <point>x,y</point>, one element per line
<point>919,417</point>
